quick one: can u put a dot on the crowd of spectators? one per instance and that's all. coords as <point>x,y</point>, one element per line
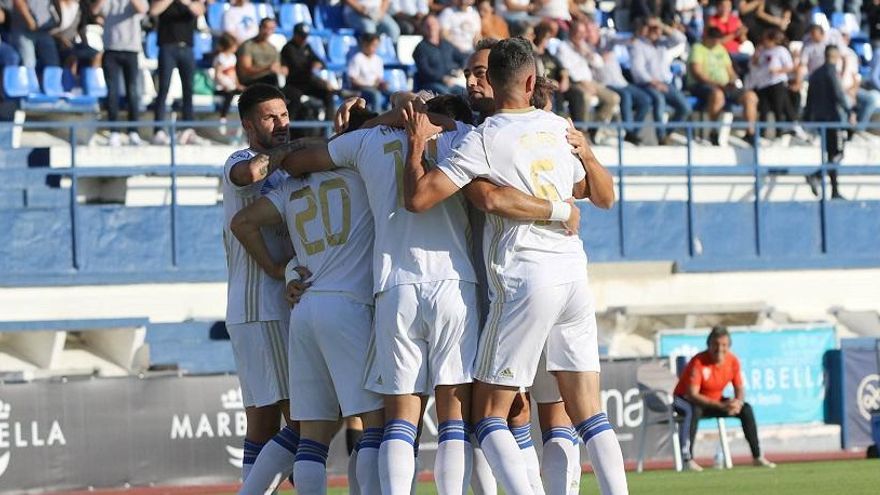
<point>672,59</point>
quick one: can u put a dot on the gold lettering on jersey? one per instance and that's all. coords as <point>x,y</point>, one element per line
<point>311,212</point>
<point>543,190</point>
<point>538,139</point>
<point>305,216</point>
<point>395,148</point>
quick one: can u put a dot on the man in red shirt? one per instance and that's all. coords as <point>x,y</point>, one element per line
<point>700,394</point>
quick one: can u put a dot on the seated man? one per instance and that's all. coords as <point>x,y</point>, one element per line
<point>711,78</point>
<point>699,395</point>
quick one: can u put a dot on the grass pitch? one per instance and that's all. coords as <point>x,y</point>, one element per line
<point>834,477</point>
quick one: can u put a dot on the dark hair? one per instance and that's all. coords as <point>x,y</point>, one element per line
<point>774,34</point>
<point>717,332</point>
<point>357,117</point>
<point>225,42</point>
<point>368,38</point>
<point>256,94</point>
<point>486,44</point>
<point>542,31</point>
<point>544,89</point>
<point>451,106</point>
<point>831,48</point>
<point>713,33</point>
<point>508,59</point>
<point>266,20</point>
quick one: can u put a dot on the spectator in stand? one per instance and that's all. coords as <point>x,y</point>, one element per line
<point>557,11</point>
<point>769,73</point>
<point>241,20</point>
<point>551,68</point>
<point>642,10</point>
<point>826,102</point>
<point>225,76</point>
<point>608,71</point>
<point>711,78</point>
<point>370,16</point>
<point>760,15</point>
<point>29,32</point>
<point>302,64</point>
<point>860,96</point>
<point>493,25</point>
<point>517,12</point>
<point>366,72</point>
<point>73,51</point>
<point>8,55</point>
<point>700,394</point>
<point>438,63</point>
<point>460,24</point>
<point>258,60</point>
<point>801,13</point>
<point>689,17</point>
<point>577,56</point>
<point>177,25</point>
<point>733,33</point>
<point>813,52</point>
<point>409,14</point>
<point>122,46</point>
<point>651,71</point>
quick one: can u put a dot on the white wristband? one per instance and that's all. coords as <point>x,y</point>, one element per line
<point>290,274</point>
<point>560,211</point>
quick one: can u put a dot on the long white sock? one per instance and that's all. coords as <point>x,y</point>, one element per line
<point>605,455</point>
<point>353,488</point>
<point>368,462</point>
<point>273,465</point>
<point>503,454</point>
<point>556,465</point>
<point>251,451</point>
<point>310,470</point>
<point>482,480</point>
<point>397,462</point>
<point>574,463</point>
<point>452,466</point>
<point>523,436</point>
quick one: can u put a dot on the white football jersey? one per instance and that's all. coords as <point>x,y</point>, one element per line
<point>252,295</point>
<point>410,248</point>
<point>331,229</point>
<point>527,150</point>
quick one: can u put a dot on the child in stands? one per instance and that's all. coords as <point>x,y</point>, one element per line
<point>225,76</point>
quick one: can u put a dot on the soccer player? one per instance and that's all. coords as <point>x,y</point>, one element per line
<point>538,275</point>
<point>256,313</point>
<point>426,322</point>
<point>331,228</point>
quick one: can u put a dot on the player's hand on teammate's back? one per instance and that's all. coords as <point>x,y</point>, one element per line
<point>295,290</point>
<point>572,226</point>
<point>340,122</point>
<point>577,140</point>
<point>418,125</point>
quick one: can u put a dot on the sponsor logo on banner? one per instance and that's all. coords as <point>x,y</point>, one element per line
<point>868,395</point>
<point>231,422</point>
<point>16,435</point>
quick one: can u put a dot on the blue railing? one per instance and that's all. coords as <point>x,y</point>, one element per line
<point>620,235</point>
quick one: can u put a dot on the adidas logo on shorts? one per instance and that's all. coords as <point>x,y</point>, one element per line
<point>506,373</point>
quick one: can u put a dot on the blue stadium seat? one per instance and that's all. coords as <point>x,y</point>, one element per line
<point>621,52</point>
<point>94,83</point>
<point>291,14</point>
<point>328,19</point>
<point>396,80</point>
<point>214,15</point>
<point>15,82</point>
<point>338,48</point>
<point>151,45</point>
<point>317,44</point>
<point>387,52</point>
<point>52,81</point>
<point>264,10</point>
<point>203,45</point>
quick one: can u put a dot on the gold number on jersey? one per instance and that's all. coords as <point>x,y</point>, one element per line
<point>311,212</point>
<point>543,190</point>
<point>396,148</point>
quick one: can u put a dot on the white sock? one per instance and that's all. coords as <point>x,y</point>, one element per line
<point>523,436</point>
<point>353,488</point>
<point>397,462</point>
<point>605,455</point>
<point>574,463</point>
<point>368,462</point>
<point>503,454</point>
<point>482,480</point>
<point>251,451</point>
<point>452,466</point>
<point>273,465</point>
<point>556,463</point>
<point>310,470</point>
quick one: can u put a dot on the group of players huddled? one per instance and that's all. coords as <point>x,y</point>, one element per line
<point>367,237</point>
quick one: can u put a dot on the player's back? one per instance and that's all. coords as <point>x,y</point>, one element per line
<point>251,294</point>
<point>331,229</point>
<point>409,248</point>
<point>528,151</point>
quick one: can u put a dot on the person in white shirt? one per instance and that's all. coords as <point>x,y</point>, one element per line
<point>241,20</point>
<point>366,72</point>
<point>370,16</point>
<point>770,69</point>
<point>541,303</point>
<point>460,24</point>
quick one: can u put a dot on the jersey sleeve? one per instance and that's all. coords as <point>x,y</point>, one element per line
<point>579,171</point>
<point>344,149</point>
<point>278,197</point>
<point>467,162</point>
<point>233,160</point>
<point>694,373</point>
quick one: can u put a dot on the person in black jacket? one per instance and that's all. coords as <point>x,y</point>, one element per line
<point>302,62</point>
<point>438,62</point>
<point>826,102</point>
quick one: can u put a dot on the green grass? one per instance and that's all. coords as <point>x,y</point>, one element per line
<point>835,477</point>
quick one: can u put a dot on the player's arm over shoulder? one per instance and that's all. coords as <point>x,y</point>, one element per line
<point>244,169</point>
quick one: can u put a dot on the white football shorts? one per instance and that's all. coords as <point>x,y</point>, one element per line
<point>260,351</point>
<point>329,338</point>
<point>425,335</point>
<point>558,320</point>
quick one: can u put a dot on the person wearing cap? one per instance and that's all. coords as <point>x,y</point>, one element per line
<point>302,65</point>
<point>712,79</point>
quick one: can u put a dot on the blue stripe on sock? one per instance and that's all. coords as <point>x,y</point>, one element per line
<point>310,450</point>
<point>371,439</point>
<point>287,438</point>
<point>454,429</point>
<point>488,425</point>
<point>523,435</point>
<point>399,429</point>
<point>566,432</point>
<point>593,426</point>
<point>251,451</point>
<point>574,435</point>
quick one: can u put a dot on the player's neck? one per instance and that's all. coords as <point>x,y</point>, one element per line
<point>514,102</point>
